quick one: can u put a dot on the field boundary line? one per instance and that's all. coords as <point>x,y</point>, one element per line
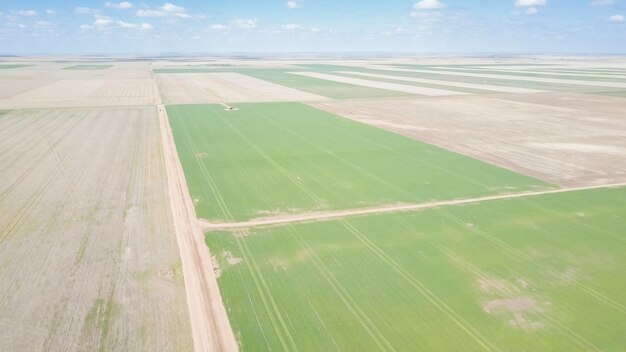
<point>513,77</point>
<point>394,208</point>
<point>210,327</point>
<point>448,83</point>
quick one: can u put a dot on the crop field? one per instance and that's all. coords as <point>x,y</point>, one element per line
<point>88,67</point>
<point>88,258</point>
<point>10,66</point>
<point>364,80</point>
<point>282,158</point>
<point>544,271</point>
<point>83,92</point>
<point>567,139</point>
<point>50,86</point>
<point>321,87</point>
<point>291,204</point>
<point>220,87</point>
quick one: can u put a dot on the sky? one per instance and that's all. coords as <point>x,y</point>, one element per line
<point>277,26</point>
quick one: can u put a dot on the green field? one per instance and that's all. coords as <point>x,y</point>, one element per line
<point>337,90</point>
<point>334,90</point>
<point>10,66</point>
<point>545,273</point>
<point>280,158</point>
<point>88,67</point>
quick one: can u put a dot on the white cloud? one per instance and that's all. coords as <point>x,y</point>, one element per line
<point>167,10</point>
<point>427,16</point>
<point>171,8</point>
<point>85,10</point>
<point>51,12</point>
<point>140,26</point>
<point>150,13</point>
<point>429,5</point>
<point>104,22</point>
<point>44,24</point>
<point>124,5</point>
<point>531,11</point>
<point>244,23</point>
<point>530,6</point>
<point>218,27</point>
<point>617,18</point>
<point>315,29</point>
<point>293,4</point>
<point>27,13</point>
<point>123,24</point>
<point>101,22</point>
<point>530,3</point>
<point>292,26</point>
<point>602,2</point>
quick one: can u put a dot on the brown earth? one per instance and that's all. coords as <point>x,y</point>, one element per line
<point>209,322</point>
<point>88,255</point>
<point>180,88</point>
<point>565,139</point>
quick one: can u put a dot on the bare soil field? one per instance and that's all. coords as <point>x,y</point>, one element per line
<point>381,85</point>
<point>49,85</point>
<point>489,87</point>
<point>88,256</point>
<point>91,92</point>
<point>226,87</point>
<point>514,78</point>
<point>569,140</point>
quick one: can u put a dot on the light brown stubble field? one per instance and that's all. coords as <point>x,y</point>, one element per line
<point>566,139</point>
<point>88,255</point>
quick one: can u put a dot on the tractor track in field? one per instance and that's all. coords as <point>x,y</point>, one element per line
<point>394,208</point>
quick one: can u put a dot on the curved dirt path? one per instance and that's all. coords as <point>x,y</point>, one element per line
<point>210,327</point>
<point>324,216</point>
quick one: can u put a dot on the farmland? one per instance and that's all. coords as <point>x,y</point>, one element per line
<point>99,245</point>
<point>543,271</point>
<point>280,158</point>
<point>317,244</point>
<point>567,139</point>
<point>88,67</point>
<point>388,204</point>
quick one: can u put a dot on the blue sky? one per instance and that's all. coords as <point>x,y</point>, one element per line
<point>426,26</point>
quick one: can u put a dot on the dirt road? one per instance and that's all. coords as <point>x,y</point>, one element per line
<point>323,216</point>
<point>210,327</point>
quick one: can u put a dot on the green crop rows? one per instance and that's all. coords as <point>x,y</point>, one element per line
<point>10,66</point>
<point>538,273</point>
<point>279,158</point>
<point>544,273</point>
<point>88,67</point>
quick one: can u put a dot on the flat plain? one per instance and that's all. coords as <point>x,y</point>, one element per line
<point>88,67</point>
<point>298,270</point>
<point>566,138</point>
<point>88,258</point>
<point>546,272</point>
<point>284,158</point>
<point>389,204</point>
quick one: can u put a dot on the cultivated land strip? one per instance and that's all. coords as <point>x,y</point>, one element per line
<point>332,215</point>
<point>533,72</point>
<point>511,77</point>
<point>382,85</point>
<point>448,83</point>
<point>210,327</point>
